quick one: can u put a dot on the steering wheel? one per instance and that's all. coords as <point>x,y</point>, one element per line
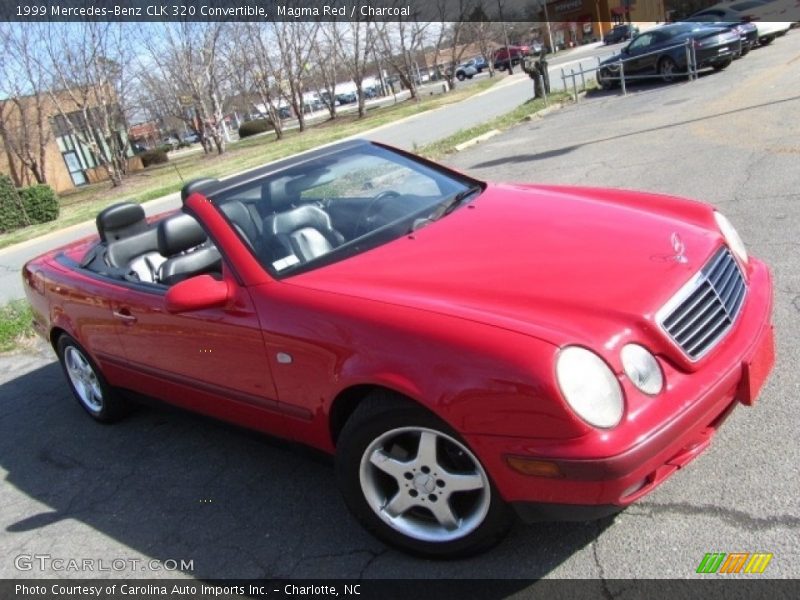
<point>369,213</point>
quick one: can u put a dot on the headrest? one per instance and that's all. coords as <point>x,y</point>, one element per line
<point>120,220</point>
<point>194,186</point>
<point>179,233</point>
<point>297,218</point>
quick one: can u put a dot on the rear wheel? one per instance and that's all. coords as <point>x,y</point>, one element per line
<point>766,40</point>
<point>667,69</point>
<point>88,384</point>
<point>412,482</point>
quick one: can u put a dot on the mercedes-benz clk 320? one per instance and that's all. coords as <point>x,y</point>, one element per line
<point>467,351</point>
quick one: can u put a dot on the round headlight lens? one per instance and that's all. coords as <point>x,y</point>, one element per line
<point>589,386</point>
<point>642,369</point>
<point>731,236</point>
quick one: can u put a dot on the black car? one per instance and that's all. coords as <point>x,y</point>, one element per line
<point>620,33</point>
<point>747,31</point>
<point>662,51</point>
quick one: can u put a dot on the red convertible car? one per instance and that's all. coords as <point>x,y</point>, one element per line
<point>468,351</point>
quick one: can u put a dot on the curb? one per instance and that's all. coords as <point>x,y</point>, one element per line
<point>476,140</point>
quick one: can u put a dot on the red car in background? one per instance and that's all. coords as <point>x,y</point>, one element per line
<point>466,350</point>
<point>506,55</point>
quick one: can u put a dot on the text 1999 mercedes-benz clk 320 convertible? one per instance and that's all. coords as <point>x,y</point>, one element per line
<point>467,351</point>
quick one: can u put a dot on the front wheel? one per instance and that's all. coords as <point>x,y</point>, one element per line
<point>413,483</point>
<point>722,65</point>
<point>460,76</point>
<point>88,384</point>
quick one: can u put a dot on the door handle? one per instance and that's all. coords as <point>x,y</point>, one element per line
<point>125,315</point>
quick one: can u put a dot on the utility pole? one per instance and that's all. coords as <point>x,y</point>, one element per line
<point>505,37</point>
<point>549,31</point>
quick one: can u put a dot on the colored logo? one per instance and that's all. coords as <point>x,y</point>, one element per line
<point>735,562</point>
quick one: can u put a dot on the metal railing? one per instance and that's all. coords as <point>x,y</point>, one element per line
<point>573,75</point>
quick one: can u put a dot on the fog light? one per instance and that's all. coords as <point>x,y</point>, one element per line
<point>532,466</point>
<point>634,488</point>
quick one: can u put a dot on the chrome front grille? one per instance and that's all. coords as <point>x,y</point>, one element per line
<point>703,311</point>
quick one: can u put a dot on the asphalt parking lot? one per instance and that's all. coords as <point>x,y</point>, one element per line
<point>166,485</point>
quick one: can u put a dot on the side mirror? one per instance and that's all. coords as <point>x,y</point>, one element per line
<point>197,293</point>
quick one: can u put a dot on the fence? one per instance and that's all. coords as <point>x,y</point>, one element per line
<point>691,69</point>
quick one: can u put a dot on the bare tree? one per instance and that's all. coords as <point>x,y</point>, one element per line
<point>400,42</point>
<point>451,35</point>
<point>325,56</point>
<point>257,57</point>
<point>292,41</point>
<point>482,32</point>
<point>89,67</point>
<point>354,47</point>
<point>189,62</point>
<point>24,127</point>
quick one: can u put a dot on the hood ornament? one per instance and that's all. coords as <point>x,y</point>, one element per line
<point>679,248</point>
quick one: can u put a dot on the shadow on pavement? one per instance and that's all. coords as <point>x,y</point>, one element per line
<point>524,158</point>
<point>170,485</point>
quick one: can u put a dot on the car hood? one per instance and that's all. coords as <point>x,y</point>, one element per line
<point>562,264</point>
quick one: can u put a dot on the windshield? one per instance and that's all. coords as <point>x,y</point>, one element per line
<point>337,205</point>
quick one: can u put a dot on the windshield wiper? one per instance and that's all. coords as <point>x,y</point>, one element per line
<point>449,205</point>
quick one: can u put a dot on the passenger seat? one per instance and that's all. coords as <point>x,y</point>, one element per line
<point>182,240</point>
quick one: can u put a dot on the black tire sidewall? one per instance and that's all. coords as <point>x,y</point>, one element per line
<point>359,432</point>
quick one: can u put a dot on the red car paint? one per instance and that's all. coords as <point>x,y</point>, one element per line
<point>465,316</point>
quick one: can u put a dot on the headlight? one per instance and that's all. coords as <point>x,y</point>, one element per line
<point>731,236</point>
<point>642,369</point>
<point>589,387</point>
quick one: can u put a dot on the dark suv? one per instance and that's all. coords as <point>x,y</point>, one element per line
<point>620,33</point>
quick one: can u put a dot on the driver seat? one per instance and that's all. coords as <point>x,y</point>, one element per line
<point>305,232</point>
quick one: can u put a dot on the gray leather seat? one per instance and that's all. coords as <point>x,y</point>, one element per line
<point>181,239</point>
<point>305,232</point>
<point>119,221</point>
<point>246,224</point>
<point>126,233</point>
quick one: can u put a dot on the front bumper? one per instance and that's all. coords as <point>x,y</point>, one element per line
<point>590,486</point>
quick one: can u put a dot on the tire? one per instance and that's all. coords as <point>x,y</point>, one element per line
<point>667,69</point>
<point>606,84</point>
<point>766,40</point>
<point>460,76</point>
<point>408,503</point>
<point>87,383</point>
<point>501,67</point>
<point>722,65</point>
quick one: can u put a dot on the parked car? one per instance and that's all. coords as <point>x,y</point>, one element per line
<point>170,141</point>
<point>466,71</point>
<point>767,15</point>
<point>479,62</point>
<point>512,55</point>
<point>347,98</point>
<point>748,32</point>
<point>190,138</point>
<point>662,51</point>
<point>319,299</point>
<point>620,33</point>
